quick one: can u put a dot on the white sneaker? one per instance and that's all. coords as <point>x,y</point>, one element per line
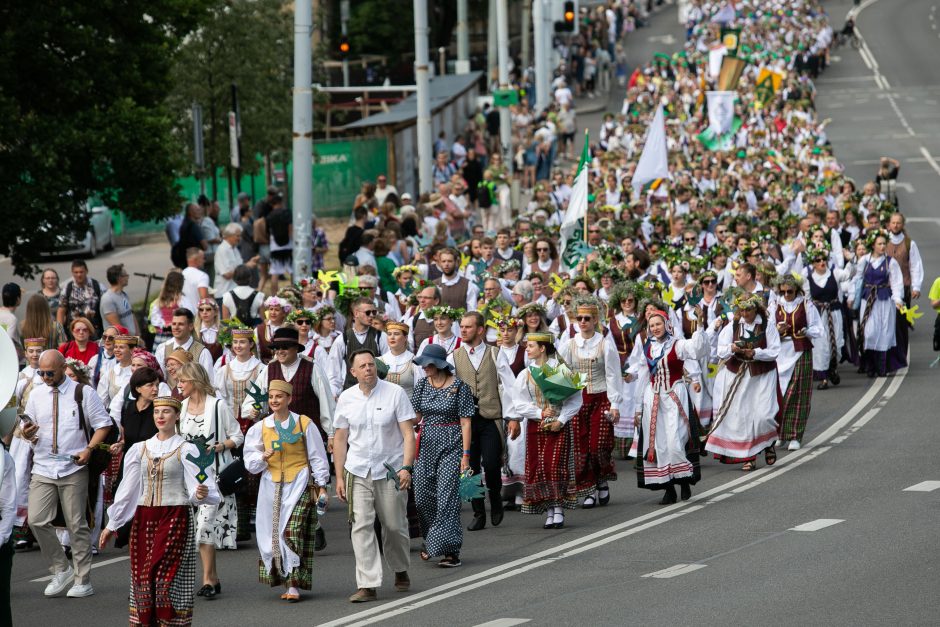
<point>794,446</point>
<point>80,590</point>
<point>60,581</point>
<point>780,442</point>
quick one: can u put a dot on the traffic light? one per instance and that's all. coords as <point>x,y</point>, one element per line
<point>343,47</point>
<point>568,17</point>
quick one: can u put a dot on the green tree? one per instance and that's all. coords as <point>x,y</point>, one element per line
<point>249,43</point>
<point>82,89</point>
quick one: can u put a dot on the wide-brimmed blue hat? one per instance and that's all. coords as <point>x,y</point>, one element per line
<point>434,355</point>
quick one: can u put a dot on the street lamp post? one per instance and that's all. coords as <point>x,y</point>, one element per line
<point>302,197</point>
<point>423,95</point>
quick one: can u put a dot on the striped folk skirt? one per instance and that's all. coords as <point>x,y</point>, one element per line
<point>163,566</point>
<point>796,402</point>
<point>299,535</point>
<point>592,444</point>
<point>549,470</point>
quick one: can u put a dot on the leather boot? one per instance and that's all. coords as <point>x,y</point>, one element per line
<point>479,515</point>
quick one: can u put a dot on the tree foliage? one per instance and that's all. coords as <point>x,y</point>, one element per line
<point>249,43</point>
<point>82,91</point>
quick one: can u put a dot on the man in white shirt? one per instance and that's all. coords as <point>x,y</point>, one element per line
<point>195,281</point>
<point>376,420</point>
<point>182,329</point>
<point>383,189</point>
<point>228,257</point>
<point>61,450</point>
<point>563,95</point>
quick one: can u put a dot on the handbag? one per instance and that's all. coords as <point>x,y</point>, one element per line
<point>230,478</point>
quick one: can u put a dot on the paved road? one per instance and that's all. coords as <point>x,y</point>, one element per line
<point>827,536</point>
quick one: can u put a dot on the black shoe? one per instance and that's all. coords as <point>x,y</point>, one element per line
<point>218,587</point>
<point>669,496</point>
<point>207,591</point>
<point>496,512</point>
<point>835,378</point>
<point>319,541</point>
<point>601,499</point>
<point>509,506</point>
<point>685,491</point>
<point>479,522</point>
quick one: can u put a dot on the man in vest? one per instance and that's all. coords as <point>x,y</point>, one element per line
<point>311,395</point>
<point>421,327</point>
<point>456,290</point>
<point>904,250</point>
<point>182,329</point>
<point>475,365</point>
<point>359,334</point>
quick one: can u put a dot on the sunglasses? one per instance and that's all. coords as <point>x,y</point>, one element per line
<point>46,373</point>
<point>303,322</point>
<point>108,338</point>
<point>787,292</point>
<point>584,318</point>
<point>371,312</point>
<point>206,309</point>
<point>690,239</point>
<point>709,282</point>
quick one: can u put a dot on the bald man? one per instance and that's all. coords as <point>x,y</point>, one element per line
<point>60,478</point>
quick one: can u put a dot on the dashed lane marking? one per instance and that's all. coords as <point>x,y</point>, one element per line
<point>923,486</point>
<point>675,571</point>
<point>816,525</point>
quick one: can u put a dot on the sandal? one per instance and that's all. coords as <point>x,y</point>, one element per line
<point>449,561</point>
<point>425,556</point>
<point>749,466</point>
<point>823,386</point>
<point>770,456</point>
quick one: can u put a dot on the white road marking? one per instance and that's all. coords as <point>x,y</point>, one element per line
<point>95,565</point>
<point>663,39</point>
<point>845,79</point>
<point>916,219</point>
<point>923,486</point>
<point>505,622</point>
<point>930,159</point>
<point>816,525</point>
<point>907,187</point>
<point>602,537</point>
<point>878,161</point>
<point>675,571</point>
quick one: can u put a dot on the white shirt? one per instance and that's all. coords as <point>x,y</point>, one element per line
<point>374,435</point>
<point>205,357</point>
<point>7,495</point>
<point>916,264</point>
<point>227,258</point>
<point>69,437</point>
<point>243,292</point>
<point>193,279</point>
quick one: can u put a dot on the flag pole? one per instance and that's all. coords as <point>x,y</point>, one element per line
<point>588,149</point>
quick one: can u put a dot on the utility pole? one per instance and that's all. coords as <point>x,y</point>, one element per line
<point>463,40</point>
<point>199,152</point>
<point>343,19</point>
<point>423,96</point>
<point>502,34</point>
<point>542,28</point>
<point>491,43</point>
<point>526,33</point>
<point>302,197</point>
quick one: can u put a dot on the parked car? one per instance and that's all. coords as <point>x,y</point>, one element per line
<point>100,235</point>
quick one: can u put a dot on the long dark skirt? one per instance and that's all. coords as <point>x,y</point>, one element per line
<point>592,444</point>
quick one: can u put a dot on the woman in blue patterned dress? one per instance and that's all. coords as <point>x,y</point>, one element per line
<point>444,405</point>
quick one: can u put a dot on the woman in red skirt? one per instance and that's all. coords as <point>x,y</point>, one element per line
<point>592,353</point>
<point>161,485</point>
<point>549,480</point>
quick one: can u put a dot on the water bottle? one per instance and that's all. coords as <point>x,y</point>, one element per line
<point>321,505</point>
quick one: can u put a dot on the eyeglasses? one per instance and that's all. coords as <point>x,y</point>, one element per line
<point>787,292</point>
<point>206,309</point>
<point>328,319</point>
<point>46,373</point>
<point>584,318</point>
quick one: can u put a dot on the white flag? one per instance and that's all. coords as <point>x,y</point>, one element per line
<point>572,227</point>
<point>720,111</point>
<point>654,162</point>
<point>715,58</point>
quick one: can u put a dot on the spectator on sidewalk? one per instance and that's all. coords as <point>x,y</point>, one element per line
<point>115,303</point>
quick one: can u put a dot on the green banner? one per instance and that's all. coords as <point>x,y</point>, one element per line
<point>339,169</point>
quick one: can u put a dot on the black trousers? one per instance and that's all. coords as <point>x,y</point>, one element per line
<point>486,449</point>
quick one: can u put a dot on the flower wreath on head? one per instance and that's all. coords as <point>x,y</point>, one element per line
<point>816,254</point>
<point>525,310</point>
<point>414,270</point>
<point>317,316</point>
<point>226,327</point>
<point>508,266</point>
<point>77,366</point>
<point>277,301</point>
<point>298,314</point>
<point>454,313</point>
<point>872,235</point>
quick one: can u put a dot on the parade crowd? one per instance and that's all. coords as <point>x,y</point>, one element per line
<point>467,352</point>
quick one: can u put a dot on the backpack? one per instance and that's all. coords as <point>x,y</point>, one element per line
<point>243,308</point>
